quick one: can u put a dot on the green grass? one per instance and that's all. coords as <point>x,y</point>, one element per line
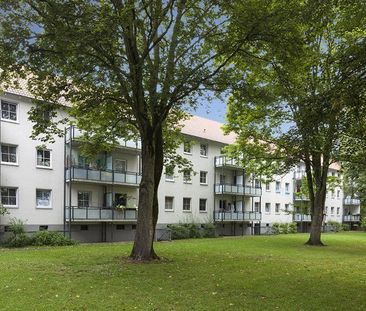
<point>250,273</point>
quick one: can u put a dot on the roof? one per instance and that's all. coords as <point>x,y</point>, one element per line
<point>207,129</point>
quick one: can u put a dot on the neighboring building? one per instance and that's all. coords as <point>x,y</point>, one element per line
<point>53,187</point>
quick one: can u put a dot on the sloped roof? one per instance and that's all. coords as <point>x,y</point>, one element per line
<point>207,129</point>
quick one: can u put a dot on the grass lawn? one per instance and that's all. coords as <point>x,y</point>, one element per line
<point>249,273</point>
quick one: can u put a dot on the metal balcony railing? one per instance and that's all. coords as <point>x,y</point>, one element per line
<point>103,176</point>
<point>348,218</point>
<point>351,201</point>
<point>301,197</point>
<point>225,161</point>
<point>237,216</point>
<point>74,133</point>
<point>75,213</point>
<point>301,217</point>
<point>238,189</point>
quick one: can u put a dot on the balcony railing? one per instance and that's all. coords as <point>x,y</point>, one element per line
<point>237,216</point>
<point>225,161</point>
<point>74,133</point>
<point>237,189</point>
<point>300,197</point>
<point>103,176</point>
<point>302,217</point>
<point>75,213</point>
<point>348,218</point>
<point>351,201</point>
<point>299,174</point>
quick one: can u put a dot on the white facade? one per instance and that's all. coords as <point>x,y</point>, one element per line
<point>54,187</point>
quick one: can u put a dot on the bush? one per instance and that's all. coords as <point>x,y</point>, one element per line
<point>284,228</point>
<point>292,227</point>
<point>346,227</point>
<point>335,225</point>
<point>208,230</point>
<point>179,232</point>
<point>18,237</point>
<point>50,238</point>
<point>363,223</point>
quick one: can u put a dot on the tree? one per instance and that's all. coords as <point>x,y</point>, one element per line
<point>300,103</point>
<point>127,67</point>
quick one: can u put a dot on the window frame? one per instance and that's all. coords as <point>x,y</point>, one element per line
<point>278,190</point>
<point>9,154</point>
<point>277,208</point>
<point>187,144</point>
<point>8,196</point>
<point>184,204</point>
<point>16,111</point>
<point>287,187</point>
<point>89,199</point>
<point>185,179</point>
<point>165,204</point>
<point>205,149</point>
<point>205,178</point>
<point>269,208</point>
<point>50,199</point>
<point>199,205</point>
<point>43,158</point>
<point>169,177</point>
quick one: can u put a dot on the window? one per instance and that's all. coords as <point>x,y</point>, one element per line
<point>278,186</point>
<point>169,173</point>
<point>332,194</point>
<point>120,166</point>
<point>187,176</point>
<point>268,208</point>
<point>338,193</point>
<point>187,204</point>
<point>277,208</point>
<point>338,210</point>
<point>203,205</point>
<point>222,179</point>
<point>133,227</point>
<point>287,187</point>
<point>43,198</point>
<point>43,157</point>
<point>256,207</point>
<point>203,177</point>
<point>203,150</point>
<point>9,197</point>
<point>187,148</point>
<point>8,154</point>
<point>268,186</point>
<point>326,210</point>
<point>84,228</point>
<point>257,183</point>
<point>332,210</point>
<point>84,199</point>
<point>8,111</point>
<point>287,208</point>
<point>120,227</point>
<point>43,228</point>
<point>169,203</point>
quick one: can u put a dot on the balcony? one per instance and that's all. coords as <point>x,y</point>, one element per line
<point>237,216</point>
<point>351,201</point>
<point>238,189</point>
<point>302,217</point>
<point>351,218</point>
<point>299,174</point>
<point>73,133</point>
<point>100,214</point>
<point>103,176</point>
<point>301,197</point>
<point>222,161</point>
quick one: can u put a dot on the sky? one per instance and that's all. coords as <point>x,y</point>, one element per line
<point>214,110</point>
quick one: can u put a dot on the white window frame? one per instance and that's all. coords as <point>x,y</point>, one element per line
<point>114,166</point>
<point>168,177</point>
<point>50,200</point>
<point>204,150</point>
<point>16,154</point>
<point>188,144</point>
<point>172,204</point>
<point>199,205</point>
<point>90,198</point>
<point>16,197</point>
<point>16,111</point>
<point>43,158</point>
<point>205,175</point>
<point>268,186</point>
<point>277,208</point>
<point>287,187</point>
<point>268,204</point>
<point>189,200</point>
<point>287,207</point>
<point>332,210</point>
<point>278,183</point>
<point>257,207</point>
<point>187,180</point>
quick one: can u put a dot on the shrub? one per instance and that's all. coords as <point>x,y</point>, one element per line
<point>179,232</point>
<point>363,223</point>
<point>346,227</point>
<point>292,227</point>
<point>50,238</point>
<point>208,230</point>
<point>18,237</point>
<point>276,229</point>
<point>335,225</point>
<point>284,228</point>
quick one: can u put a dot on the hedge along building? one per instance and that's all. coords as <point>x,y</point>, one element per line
<point>53,187</point>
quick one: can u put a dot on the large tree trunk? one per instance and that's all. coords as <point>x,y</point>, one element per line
<point>317,219</point>
<point>152,166</point>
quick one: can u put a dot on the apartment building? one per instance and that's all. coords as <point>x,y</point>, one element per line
<point>53,187</point>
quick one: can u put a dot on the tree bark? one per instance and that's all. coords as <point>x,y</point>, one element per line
<point>317,219</point>
<point>152,166</point>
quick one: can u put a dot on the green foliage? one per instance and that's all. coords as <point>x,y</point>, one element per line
<point>363,223</point>
<point>336,226</point>
<point>18,237</point>
<point>3,210</point>
<point>346,227</point>
<point>50,238</point>
<point>192,231</point>
<point>284,228</point>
